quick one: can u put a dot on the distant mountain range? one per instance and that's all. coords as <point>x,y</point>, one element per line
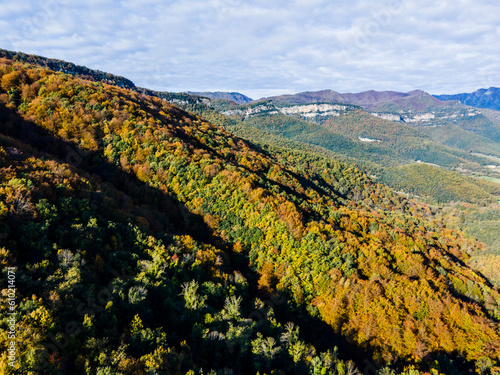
<point>383,101</point>
<point>416,100</point>
<point>372,100</point>
<point>444,121</point>
<point>392,122</point>
<point>482,98</point>
<point>231,96</point>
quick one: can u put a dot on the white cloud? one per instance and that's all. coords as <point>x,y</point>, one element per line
<point>259,47</point>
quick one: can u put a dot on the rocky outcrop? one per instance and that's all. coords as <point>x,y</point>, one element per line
<point>424,117</point>
<point>314,110</point>
<point>308,110</point>
<point>388,116</point>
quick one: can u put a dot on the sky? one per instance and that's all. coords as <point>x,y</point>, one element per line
<point>264,47</point>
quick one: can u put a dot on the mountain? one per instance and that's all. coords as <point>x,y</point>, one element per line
<point>449,123</point>
<point>231,96</point>
<point>145,239</point>
<point>388,151</point>
<point>308,97</point>
<point>372,100</point>
<point>378,130</point>
<point>377,144</point>
<point>441,124</point>
<point>482,98</point>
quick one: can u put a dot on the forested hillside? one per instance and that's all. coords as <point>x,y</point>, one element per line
<point>424,181</point>
<point>147,240</point>
<point>400,127</point>
<point>396,146</point>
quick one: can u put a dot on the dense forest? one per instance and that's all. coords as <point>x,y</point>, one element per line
<point>147,240</point>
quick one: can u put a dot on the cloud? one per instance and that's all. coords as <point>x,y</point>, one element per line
<point>259,46</point>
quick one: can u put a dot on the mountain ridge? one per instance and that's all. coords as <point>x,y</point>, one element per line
<point>481,98</point>
<point>369,99</point>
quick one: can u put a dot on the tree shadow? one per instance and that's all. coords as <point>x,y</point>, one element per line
<point>166,213</point>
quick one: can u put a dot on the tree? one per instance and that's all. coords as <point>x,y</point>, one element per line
<point>192,300</point>
<point>232,307</point>
<point>265,348</point>
<point>10,80</point>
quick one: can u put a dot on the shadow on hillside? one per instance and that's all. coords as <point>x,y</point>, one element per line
<point>168,215</point>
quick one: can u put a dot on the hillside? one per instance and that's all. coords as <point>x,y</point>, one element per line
<point>480,223</point>
<point>477,130</point>
<point>377,144</point>
<point>443,185</point>
<point>144,236</point>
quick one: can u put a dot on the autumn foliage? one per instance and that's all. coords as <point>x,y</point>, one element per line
<point>165,234</point>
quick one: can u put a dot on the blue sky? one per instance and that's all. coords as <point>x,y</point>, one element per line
<point>262,48</point>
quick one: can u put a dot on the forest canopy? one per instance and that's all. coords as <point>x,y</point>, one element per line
<point>144,236</point>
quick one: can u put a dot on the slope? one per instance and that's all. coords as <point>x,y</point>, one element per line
<point>418,109</point>
<point>338,137</point>
<point>165,233</point>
